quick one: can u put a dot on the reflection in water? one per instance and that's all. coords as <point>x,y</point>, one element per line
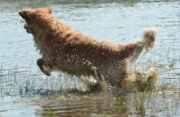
<point>91,106</point>
<point>105,105</point>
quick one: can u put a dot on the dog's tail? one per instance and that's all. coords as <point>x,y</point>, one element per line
<point>148,42</point>
<point>149,39</point>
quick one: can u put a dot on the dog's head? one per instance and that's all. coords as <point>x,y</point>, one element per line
<point>30,15</point>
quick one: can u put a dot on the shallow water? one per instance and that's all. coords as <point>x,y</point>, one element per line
<point>120,21</point>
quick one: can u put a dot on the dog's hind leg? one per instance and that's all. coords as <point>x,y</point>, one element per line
<point>97,87</point>
<point>43,66</point>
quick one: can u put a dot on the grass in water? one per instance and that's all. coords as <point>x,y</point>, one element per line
<point>153,93</point>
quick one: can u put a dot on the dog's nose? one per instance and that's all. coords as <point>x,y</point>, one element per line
<point>26,27</point>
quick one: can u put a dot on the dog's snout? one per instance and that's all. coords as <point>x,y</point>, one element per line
<point>26,27</point>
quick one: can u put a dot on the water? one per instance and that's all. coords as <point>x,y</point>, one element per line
<point>120,21</point>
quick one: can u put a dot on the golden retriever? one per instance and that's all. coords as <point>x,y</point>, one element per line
<point>64,49</point>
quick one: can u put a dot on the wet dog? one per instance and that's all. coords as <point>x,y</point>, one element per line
<point>64,49</point>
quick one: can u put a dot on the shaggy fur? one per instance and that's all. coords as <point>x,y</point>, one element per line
<point>64,49</point>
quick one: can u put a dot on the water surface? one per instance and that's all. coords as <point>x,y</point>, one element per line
<point>120,21</point>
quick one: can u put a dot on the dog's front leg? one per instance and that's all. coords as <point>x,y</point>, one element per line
<point>43,66</point>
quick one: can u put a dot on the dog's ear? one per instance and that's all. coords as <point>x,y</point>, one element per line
<point>25,13</point>
<point>49,10</point>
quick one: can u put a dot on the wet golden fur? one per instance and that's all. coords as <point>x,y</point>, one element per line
<point>64,49</point>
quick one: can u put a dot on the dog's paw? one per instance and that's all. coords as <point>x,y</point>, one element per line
<point>43,67</point>
<point>45,70</point>
<point>48,74</point>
